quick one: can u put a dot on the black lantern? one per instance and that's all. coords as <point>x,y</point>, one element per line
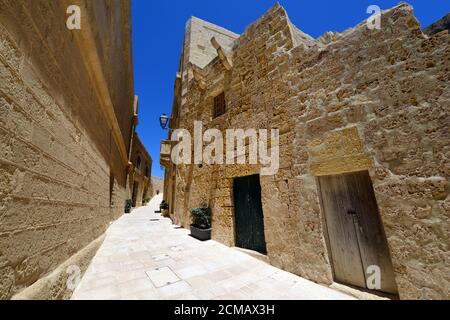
<point>163,120</point>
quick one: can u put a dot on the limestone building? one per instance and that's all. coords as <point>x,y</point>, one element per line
<point>363,119</point>
<point>141,173</point>
<point>67,118</point>
<point>158,185</point>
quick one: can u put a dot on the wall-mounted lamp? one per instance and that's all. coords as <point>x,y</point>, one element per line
<point>163,121</point>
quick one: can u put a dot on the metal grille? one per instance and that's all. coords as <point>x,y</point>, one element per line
<point>219,105</point>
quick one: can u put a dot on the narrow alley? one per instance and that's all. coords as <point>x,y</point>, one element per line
<point>144,256</point>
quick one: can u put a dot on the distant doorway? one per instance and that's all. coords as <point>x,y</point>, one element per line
<point>135,192</point>
<point>356,237</point>
<point>249,219</point>
<point>145,196</point>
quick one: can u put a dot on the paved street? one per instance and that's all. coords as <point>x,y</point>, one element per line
<point>144,256</point>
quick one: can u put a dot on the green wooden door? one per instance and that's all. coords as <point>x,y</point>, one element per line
<point>134,194</point>
<point>249,219</point>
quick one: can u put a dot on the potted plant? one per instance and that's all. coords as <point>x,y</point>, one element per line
<point>128,205</point>
<point>164,207</point>
<point>201,223</point>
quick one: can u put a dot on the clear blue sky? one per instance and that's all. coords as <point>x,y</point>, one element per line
<point>158,28</point>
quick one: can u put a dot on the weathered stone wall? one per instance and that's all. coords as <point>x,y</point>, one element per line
<point>257,97</point>
<point>57,150</point>
<point>113,29</point>
<point>198,49</point>
<point>378,100</point>
<point>439,26</point>
<point>361,100</point>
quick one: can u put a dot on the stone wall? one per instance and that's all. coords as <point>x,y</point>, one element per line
<point>112,30</point>
<point>439,26</point>
<point>198,49</point>
<point>373,100</point>
<point>378,100</point>
<point>62,174</point>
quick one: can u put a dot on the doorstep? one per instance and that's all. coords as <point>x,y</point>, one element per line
<point>359,294</point>
<point>254,254</point>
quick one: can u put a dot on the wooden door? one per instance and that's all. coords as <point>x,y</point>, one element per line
<point>249,219</point>
<point>355,231</point>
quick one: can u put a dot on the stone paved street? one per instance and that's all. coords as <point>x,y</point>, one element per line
<point>144,256</point>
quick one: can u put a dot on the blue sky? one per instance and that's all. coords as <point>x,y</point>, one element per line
<point>158,28</point>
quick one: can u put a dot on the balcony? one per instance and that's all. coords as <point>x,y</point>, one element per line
<point>164,157</point>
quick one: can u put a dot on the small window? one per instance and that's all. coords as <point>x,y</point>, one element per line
<point>111,188</point>
<point>138,163</point>
<point>219,105</point>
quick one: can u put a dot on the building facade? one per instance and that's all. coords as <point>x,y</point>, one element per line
<point>157,185</point>
<point>141,172</point>
<point>67,117</point>
<point>363,121</point>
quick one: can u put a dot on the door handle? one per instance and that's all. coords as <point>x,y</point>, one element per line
<point>351,212</point>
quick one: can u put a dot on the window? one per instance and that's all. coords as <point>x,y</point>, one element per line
<point>219,105</point>
<point>138,163</point>
<point>111,188</point>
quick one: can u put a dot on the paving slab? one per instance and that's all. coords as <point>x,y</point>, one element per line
<point>145,257</point>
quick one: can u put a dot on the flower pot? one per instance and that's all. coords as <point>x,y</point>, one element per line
<point>201,234</point>
<point>128,205</point>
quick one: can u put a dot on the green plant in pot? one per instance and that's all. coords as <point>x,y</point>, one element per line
<point>164,207</point>
<point>128,205</point>
<point>201,223</point>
